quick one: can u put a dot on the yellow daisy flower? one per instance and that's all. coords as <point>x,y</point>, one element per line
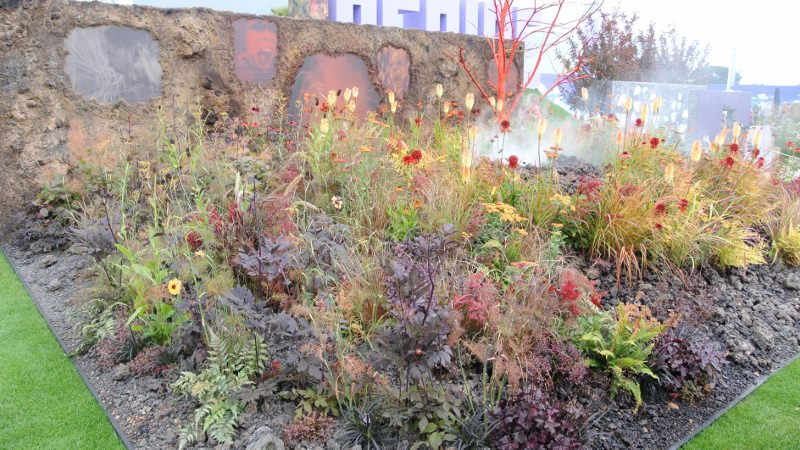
<point>174,286</point>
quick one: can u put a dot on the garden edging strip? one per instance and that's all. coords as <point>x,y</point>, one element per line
<point>733,403</point>
<point>114,423</point>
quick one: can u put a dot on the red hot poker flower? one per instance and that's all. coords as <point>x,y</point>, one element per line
<point>513,161</point>
<point>728,162</point>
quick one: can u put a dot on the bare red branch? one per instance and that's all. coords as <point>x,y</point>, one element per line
<point>551,32</point>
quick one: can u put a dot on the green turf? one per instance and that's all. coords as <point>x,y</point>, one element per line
<point>767,419</point>
<point>44,404</point>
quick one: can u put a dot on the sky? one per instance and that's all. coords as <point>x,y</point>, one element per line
<point>761,32</point>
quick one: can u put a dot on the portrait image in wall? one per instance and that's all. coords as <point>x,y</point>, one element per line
<point>255,44</point>
<point>111,63</point>
<point>512,78</point>
<point>394,69</point>
<point>321,73</point>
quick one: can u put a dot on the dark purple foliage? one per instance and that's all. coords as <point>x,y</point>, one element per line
<point>271,261</point>
<point>676,360</point>
<point>535,419</point>
<point>558,364</point>
<point>418,338</point>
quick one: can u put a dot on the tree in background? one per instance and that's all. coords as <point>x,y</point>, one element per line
<point>610,49</point>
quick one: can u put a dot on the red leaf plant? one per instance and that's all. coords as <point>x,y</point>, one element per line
<point>574,287</point>
<point>477,298</point>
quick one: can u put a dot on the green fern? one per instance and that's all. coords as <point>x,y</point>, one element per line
<point>619,346</point>
<point>231,366</point>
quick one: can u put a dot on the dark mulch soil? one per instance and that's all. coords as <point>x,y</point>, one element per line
<point>753,314</point>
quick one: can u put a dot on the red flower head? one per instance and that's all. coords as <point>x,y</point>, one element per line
<point>639,123</point>
<point>659,227</point>
<point>418,121</point>
<point>255,110</point>
<point>789,144</point>
<point>417,155</point>
<point>654,142</point>
<point>513,161</point>
<point>194,240</point>
<point>728,162</point>
<point>505,126</point>
<point>734,148</point>
<point>624,155</point>
<point>408,160</point>
<point>683,204</point>
<point>760,162</point>
<point>660,208</point>
<point>756,152</point>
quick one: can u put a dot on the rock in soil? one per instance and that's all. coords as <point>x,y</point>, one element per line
<point>265,439</point>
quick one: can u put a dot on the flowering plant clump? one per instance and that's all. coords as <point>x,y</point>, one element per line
<point>380,270</point>
<point>507,213</point>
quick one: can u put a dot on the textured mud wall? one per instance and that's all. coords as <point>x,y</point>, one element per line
<point>74,91</point>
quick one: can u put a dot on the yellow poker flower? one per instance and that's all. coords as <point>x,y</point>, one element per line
<point>174,286</point>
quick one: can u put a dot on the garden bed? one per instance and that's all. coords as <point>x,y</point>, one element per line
<point>754,314</point>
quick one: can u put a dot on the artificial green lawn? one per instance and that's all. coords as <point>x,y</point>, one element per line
<point>44,403</point>
<point>767,419</point>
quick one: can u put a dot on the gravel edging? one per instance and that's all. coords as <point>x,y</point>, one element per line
<point>733,403</point>
<point>117,428</point>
